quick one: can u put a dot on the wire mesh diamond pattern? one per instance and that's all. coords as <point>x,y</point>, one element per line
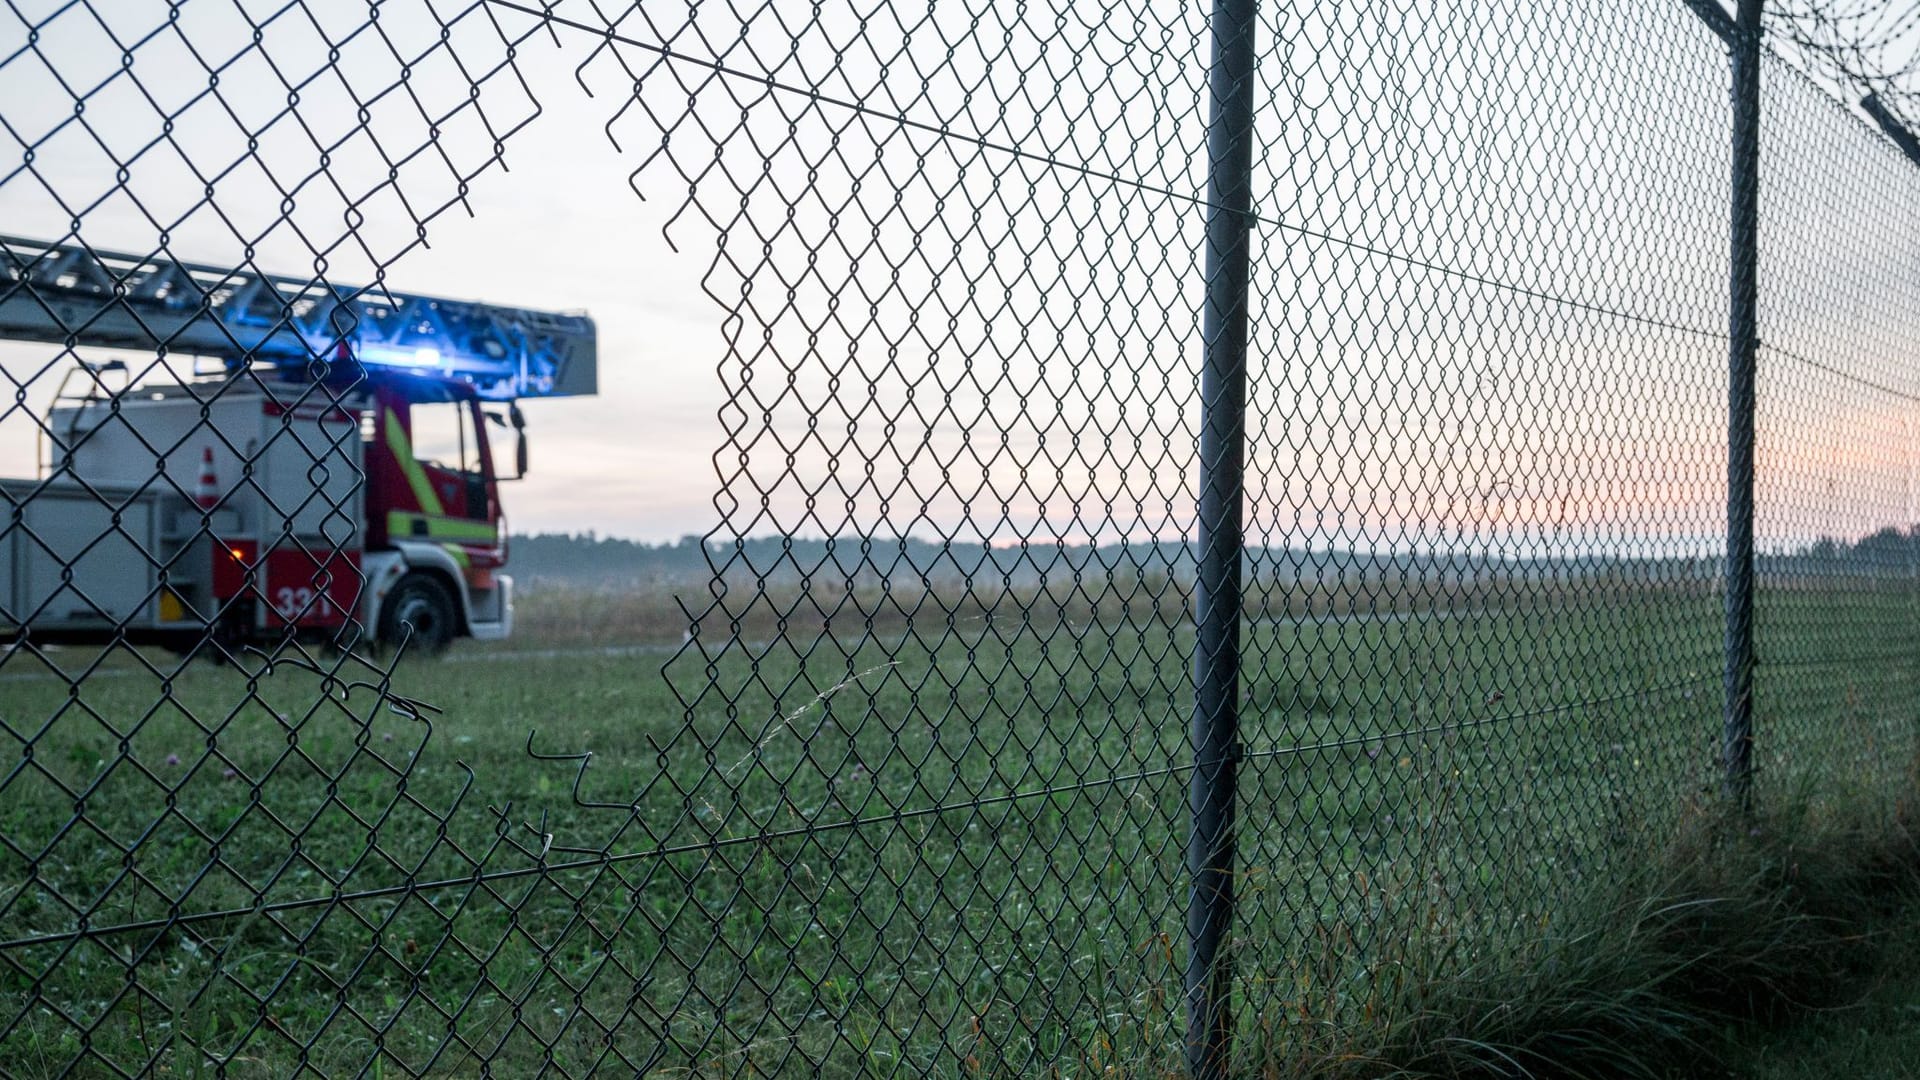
<point>912,794</point>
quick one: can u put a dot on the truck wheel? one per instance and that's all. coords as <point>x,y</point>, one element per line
<point>420,602</point>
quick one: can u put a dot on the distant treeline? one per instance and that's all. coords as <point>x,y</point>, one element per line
<point>589,560</point>
<point>587,589</point>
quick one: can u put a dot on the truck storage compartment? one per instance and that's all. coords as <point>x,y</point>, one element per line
<point>114,576</point>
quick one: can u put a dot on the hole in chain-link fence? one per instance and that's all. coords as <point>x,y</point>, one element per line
<point>1008,477</point>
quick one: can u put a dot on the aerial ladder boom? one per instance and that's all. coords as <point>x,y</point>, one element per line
<point>78,295</point>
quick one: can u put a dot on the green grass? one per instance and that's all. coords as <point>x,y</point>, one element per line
<point>1874,1035</point>
<point>1733,930</point>
<point>955,850</point>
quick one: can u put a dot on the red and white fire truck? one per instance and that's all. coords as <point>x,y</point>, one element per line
<point>331,470</point>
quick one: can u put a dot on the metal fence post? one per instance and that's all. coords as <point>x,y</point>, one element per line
<point>1736,749</point>
<point>1216,661</point>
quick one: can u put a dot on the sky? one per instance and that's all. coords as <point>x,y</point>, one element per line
<point>560,228</point>
<point>1477,320</point>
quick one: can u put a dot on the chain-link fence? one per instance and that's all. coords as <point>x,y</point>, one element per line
<point>1216,512</point>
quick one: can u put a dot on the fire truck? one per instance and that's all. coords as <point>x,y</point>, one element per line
<point>287,458</point>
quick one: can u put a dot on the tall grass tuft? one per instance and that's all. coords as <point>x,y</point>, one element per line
<point>1728,923</point>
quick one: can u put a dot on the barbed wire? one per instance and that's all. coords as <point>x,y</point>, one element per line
<point>1860,48</point>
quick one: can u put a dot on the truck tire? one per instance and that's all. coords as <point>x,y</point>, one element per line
<point>421,602</point>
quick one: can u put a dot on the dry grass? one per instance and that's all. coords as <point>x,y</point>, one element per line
<point>1731,925</point>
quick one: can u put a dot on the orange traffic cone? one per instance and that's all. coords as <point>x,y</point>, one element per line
<point>206,492</point>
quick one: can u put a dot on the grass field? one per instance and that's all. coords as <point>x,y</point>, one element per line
<point>952,850</point>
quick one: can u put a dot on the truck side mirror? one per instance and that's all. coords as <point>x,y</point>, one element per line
<point>519,420</point>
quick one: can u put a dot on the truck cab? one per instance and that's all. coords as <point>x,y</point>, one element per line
<point>436,539</point>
